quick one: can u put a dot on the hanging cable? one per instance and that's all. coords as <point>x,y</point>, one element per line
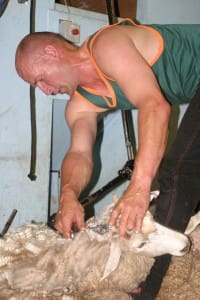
<point>32,175</point>
<point>111,16</point>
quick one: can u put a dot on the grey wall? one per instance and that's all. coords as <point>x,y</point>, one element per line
<point>17,191</point>
<point>170,11</point>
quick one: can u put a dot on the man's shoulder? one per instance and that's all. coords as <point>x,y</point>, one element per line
<point>76,111</point>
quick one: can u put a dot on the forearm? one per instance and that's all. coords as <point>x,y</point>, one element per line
<point>152,136</point>
<point>75,174</point>
<point>76,171</point>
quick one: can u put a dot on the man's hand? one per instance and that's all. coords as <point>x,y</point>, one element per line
<point>70,215</point>
<point>130,211</point>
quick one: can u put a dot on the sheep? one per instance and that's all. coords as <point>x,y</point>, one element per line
<point>37,263</point>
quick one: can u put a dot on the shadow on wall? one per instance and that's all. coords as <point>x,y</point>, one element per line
<point>89,210</point>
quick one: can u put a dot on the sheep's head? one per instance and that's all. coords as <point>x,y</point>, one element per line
<point>155,239</point>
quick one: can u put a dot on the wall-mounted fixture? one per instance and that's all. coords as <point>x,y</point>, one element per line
<point>22,1</point>
<point>70,30</point>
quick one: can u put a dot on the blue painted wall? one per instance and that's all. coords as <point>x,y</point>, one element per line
<point>30,198</point>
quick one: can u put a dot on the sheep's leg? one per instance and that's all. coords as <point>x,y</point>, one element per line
<point>194,222</point>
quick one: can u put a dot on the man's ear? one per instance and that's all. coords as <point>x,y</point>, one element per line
<point>51,51</point>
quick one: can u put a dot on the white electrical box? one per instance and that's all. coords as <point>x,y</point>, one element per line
<point>70,30</point>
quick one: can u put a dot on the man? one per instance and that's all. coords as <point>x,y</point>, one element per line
<point>125,66</point>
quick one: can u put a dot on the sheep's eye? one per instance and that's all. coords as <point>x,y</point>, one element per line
<point>141,245</point>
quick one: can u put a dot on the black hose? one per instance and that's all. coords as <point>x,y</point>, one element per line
<point>109,11</point>
<point>32,175</point>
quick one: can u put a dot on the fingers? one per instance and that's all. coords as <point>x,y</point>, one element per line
<point>63,225</point>
<point>128,215</point>
<point>138,223</point>
<point>123,223</point>
<point>114,216</point>
<point>135,221</point>
<point>68,220</point>
<point>129,220</point>
<point>80,223</point>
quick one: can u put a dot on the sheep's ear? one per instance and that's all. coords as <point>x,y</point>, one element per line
<point>154,195</point>
<point>148,224</point>
<point>113,259</point>
<point>193,223</point>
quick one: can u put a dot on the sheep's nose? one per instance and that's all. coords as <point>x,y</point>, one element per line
<point>187,247</point>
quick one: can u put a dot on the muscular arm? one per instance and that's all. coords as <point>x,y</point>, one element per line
<point>124,63</point>
<point>152,136</point>
<point>76,169</point>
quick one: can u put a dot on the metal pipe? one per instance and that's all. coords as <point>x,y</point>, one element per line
<point>8,223</point>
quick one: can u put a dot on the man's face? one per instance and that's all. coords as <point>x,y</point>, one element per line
<point>50,76</point>
<point>52,81</point>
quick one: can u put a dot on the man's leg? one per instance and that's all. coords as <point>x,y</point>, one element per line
<point>179,189</point>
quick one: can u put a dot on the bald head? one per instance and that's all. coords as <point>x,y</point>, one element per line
<point>47,61</point>
<point>32,48</point>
